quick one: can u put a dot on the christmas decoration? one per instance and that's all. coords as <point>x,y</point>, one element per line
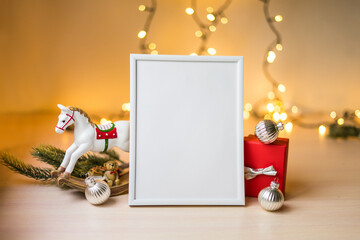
<point>87,136</point>
<point>273,107</point>
<point>111,174</point>
<point>267,130</point>
<point>251,173</point>
<point>18,166</point>
<point>143,34</point>
<point>271,198</point>
<point>54,156</point>
<point>214,17</point>
<point>96,192</point>
<point>263,162</point>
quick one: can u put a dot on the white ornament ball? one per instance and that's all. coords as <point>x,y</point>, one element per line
<point>96,192</point>
<point>271,198</point>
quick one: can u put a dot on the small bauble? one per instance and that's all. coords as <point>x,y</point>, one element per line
<point>271,198</point>
<point>267,130</point>
<point>96,192</point>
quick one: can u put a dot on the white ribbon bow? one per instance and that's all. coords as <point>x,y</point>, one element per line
<point>252,173</point>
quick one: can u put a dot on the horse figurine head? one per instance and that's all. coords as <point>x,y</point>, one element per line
<point>66,118</point>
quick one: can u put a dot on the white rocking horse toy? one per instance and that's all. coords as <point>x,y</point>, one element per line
<point>88,136</point>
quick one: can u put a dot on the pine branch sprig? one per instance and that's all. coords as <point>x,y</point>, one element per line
<point>28,170</point>
<point>48,154</point>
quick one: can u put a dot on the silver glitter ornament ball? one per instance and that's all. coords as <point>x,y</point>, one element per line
<point>96,192</point>
<point>267,130</point>
<point>271,198</point>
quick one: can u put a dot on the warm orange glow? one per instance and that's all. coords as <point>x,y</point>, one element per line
<point>211,51</point>
<point>283,116</point>
<point>271,57</point>
<point>198,33</point>
<point>276,116</point>
<point>189,11</point>
<point>210,17</point>
<point>333,114</point>
<point>281,88</point>
<point>212,28</point>
<point>126,107</point>
<point>104,121</point>
<point>278,18</point>
<point>209,9</point>
<point>279,47</point>
<point>152,46</point>
<point>248,107</point>
<point>288,127</point>
<point>142,34</point>
<point>142,8</point>
<point>246,114</point>
<point>357,113</point>
<point>224,20</point>
<point>340,121</point>
<point>322,130</point>
<point>270,107</point>
<point>295,109</point>
<point>271,95</point>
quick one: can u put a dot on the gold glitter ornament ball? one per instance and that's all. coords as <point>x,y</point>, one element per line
<point>271,198</point>
<point>96,192</point>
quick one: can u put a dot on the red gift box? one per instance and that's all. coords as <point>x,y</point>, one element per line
<point>259,155</point>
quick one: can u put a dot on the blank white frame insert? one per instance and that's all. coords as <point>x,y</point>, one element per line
<point>186,136</point>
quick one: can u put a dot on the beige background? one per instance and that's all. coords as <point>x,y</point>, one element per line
<point>76,52</point>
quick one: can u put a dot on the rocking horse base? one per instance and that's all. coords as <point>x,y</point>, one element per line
<point>79,183</point>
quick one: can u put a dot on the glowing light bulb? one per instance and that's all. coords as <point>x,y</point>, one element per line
<point>279,47</point>
<point>210,17</point>
<point>333,114</point>
<point>126,107</point>
<point>198,33</point>
<point>212,28</point>
<point>340,121</point>
<point>248,107</point>
<point>283,116</point>
<point>189,11</point>
<point>270,107</point>
<point>211,51</point>
<point>209,9</point>
<point>193,54</point>
<point>294,109</point>
<point>322,130</point>
<point>141,34</point>
<point>357,113</point>
<point>142,8</point>
<point>224,20</point>
<point>288,127</point>
<point>104,121</point>
<point>278,18</point>
<point>281,88</point>
<point>246,114</point>
<point>276,116</point>
<point>271,95</point>
<point>154,52</point>
<point>152,46</point>
<point>271,57</point>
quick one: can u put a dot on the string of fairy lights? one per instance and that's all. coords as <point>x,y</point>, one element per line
<point>272,106</point>
<point>144,45</point>
<point>339,125</point>
<point>207,28</point>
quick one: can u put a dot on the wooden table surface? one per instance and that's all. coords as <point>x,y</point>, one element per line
<point>323,197</point>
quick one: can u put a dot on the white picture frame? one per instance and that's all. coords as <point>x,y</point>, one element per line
<point>186,134</point>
